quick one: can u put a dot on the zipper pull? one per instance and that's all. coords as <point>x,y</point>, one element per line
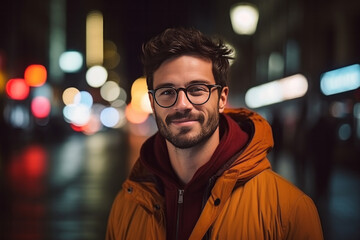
<point>181,196</point>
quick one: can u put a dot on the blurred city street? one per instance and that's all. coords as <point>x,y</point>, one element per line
<point>64,189</point>
<point>74,105</point>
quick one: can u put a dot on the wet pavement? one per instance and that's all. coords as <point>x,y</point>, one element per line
<point>64,190</point>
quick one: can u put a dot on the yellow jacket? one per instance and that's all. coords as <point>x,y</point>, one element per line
<point>248,201</point>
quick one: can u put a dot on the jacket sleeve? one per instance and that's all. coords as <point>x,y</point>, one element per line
<point>111,226</point>
<point>304,222</point>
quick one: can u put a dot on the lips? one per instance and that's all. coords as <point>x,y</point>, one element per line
<point>183,121</point>
<point>179,118</point>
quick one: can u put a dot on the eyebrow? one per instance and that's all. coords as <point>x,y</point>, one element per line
<point>187,84</point>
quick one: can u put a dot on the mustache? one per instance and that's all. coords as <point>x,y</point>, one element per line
<point>182,116</point>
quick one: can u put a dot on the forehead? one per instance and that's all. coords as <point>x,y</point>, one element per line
<point>184,70</point>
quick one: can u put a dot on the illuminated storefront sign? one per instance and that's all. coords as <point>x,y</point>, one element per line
<point>277,91</point>
<point>340,80</point>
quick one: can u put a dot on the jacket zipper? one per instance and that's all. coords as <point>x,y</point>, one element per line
<point>179,205</point>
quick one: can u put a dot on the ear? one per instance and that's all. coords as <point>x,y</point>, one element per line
<point>223,98</point>
<point>152,102</point>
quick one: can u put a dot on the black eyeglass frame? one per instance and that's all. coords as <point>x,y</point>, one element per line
<point>177,90</point>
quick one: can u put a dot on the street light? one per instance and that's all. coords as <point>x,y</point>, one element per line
<point>244,18</point>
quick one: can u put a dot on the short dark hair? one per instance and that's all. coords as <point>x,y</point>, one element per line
<point>175,42</point>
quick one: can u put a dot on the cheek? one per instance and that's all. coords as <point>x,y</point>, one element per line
<point>215,105</point>
<point>210,111</point>
<point>159,113</point>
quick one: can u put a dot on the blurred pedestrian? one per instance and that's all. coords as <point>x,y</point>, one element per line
<point>204,174</point>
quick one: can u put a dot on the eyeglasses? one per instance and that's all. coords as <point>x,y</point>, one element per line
<point>197,94</point>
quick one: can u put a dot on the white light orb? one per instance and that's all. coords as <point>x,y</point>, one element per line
<point>96,76</point>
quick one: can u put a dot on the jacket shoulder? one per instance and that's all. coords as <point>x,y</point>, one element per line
<point>270,179</point>
<point>292,208</point>
<point>268,207</point>
<point>277,189</point>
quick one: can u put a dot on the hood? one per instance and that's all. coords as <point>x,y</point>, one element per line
<point>252,159</point>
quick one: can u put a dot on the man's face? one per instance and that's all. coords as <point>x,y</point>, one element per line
<point>185,125</point>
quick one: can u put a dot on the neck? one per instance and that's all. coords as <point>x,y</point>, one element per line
<point>186,162</point>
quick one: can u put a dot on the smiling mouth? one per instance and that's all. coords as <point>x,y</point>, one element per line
<point>183,121</point>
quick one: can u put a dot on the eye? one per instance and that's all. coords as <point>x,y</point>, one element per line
<point>166,92</point>
<point>197,89</point>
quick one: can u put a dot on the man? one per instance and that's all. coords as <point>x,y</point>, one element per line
<point>204,174</point>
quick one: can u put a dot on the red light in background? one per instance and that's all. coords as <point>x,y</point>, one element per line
<point>27,170</point>
<point>76,128</point>
<point>17,89</point>
<point>35,75</point>
<point>40,107</point>
<point>35,161</point>
<point>26,180</point>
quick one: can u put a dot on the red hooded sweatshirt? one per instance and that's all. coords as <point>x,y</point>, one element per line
<point>184,203</point>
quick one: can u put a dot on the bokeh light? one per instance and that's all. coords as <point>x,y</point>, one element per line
<point>134,115</point>
<point>339,109</point>
<point>71,61</point>
<point>79,113</point>
<point>96,76</point>
<point>35,161</point>
<point>17,89</point>
<point>40,107</point>
<point>26,171</point>
<point>276,65</point>
<point>118,103</point>
<point>17,116</point>
<point>35,75</point>
<point>277,91</point>
<point>139,96</point>
<point>113,76</point>
<point>76,128</point>
<point>244,18</point>
<point>94,39</point>
<point>110,91</point>
<point>344,132</point>
<point>69,94</point>
<point>340,80</point>
<point>92,126</point>
<point>111,56</point>
<point>145,103</point>
<point>84,98</point>
<point>109,117</point>
<point>44,91</point>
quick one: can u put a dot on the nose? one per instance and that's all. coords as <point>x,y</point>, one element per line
<point>182,101</point>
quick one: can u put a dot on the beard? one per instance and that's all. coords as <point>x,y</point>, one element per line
<point>181,139</point>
